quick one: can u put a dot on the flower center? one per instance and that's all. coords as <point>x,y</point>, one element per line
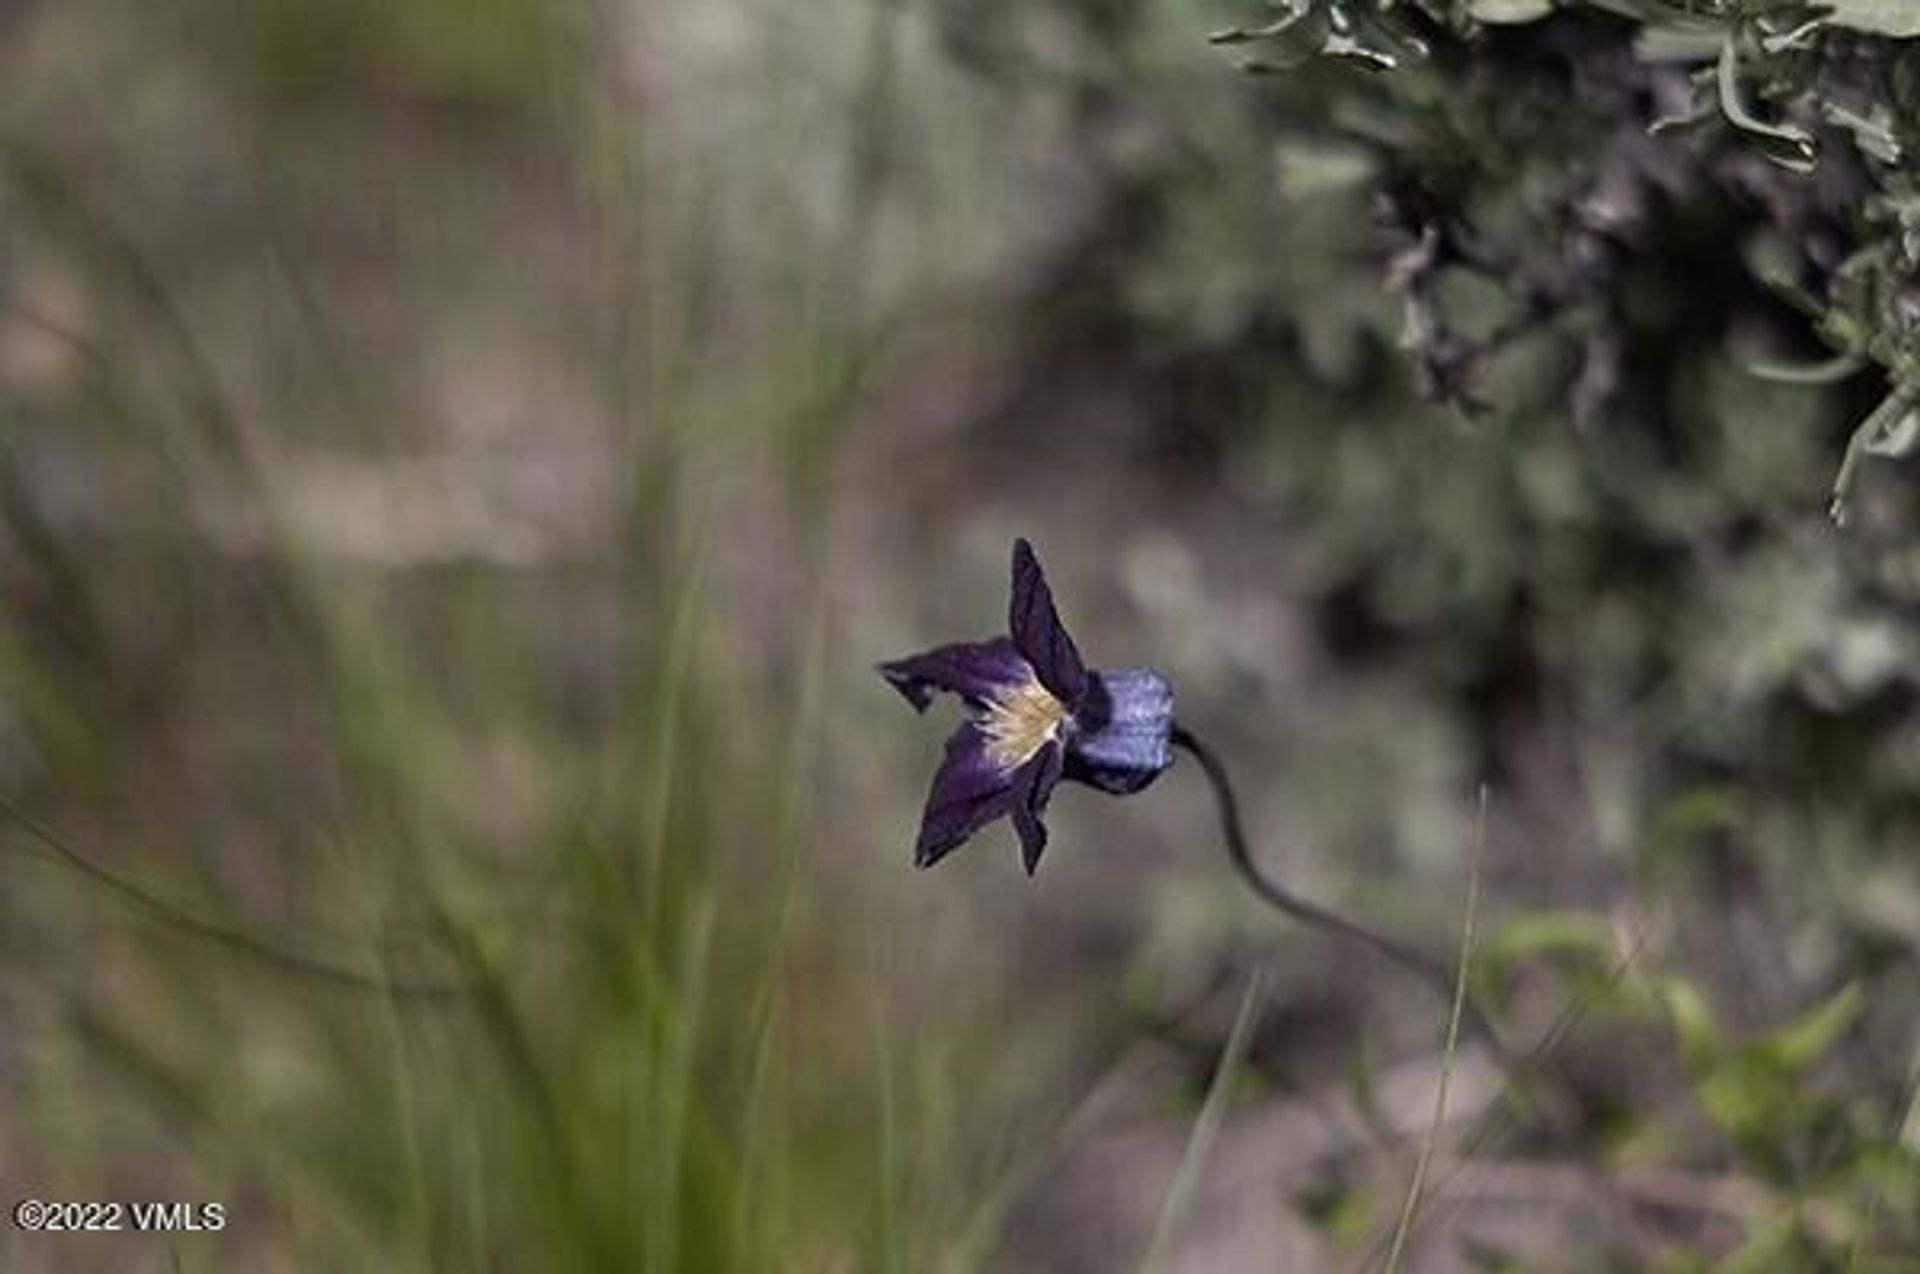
<point>1019,721</point>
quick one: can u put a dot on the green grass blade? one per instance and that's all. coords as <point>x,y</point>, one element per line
<point>1206,1127</point>
<point>1411,1206</point>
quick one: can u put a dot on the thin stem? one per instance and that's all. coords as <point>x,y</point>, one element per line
<point>1489,1129</point>
<point>1432,971</point>
<point>1206,1126</point>
<point>1902,1135</point>
<point>1880,422</point>
<point>1411,1207</point>
<point>177,917</point>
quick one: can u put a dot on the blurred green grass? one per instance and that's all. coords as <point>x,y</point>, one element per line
<point>574,792</point>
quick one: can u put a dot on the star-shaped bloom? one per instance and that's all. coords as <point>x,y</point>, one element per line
<point>1035,715</point>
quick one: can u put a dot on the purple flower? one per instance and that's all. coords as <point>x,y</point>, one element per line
<point>1035,715</point>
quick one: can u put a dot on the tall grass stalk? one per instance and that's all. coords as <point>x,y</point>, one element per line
<point>1409,1208</point>
<point>1906,1138</point>
<point>1206,1126</point>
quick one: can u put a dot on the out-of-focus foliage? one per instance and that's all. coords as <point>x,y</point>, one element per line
<point>354,359</point>
<point>1814,88</point>
<point>1656,258</point>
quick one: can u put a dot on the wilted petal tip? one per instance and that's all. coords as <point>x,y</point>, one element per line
<point>912,690</point>
<point>974,670</point>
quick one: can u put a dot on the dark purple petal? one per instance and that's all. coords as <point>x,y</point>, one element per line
<point>1034,784</point>
<point>1124,731</point>
<point>1037,631</point>
<point>970,790</point>
<point>974,670</point>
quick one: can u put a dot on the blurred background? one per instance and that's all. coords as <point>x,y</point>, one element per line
<point>460,461</point>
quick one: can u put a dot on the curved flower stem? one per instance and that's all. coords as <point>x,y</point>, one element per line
<point>174,916</point>
<point>1432,971</point>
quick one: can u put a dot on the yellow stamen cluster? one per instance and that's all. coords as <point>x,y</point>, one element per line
<point>1019,721</point>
